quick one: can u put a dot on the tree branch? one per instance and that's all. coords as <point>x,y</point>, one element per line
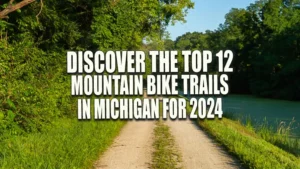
<point>37,16</point>
<point>9,9</point>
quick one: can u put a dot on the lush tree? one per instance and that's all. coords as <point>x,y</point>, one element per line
<point>265,40</point>
<point>35,34</point>
<point>125,24</point>
<point>169,44</point>
<point>11,7</point>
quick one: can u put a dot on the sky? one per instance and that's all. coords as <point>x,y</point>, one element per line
<point>206,15</point>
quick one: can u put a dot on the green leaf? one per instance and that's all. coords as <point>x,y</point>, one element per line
<point>11,115</point>
<point>1,115</point>
<point>11,104</point>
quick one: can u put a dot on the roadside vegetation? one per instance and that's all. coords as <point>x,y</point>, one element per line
<point>250,147</point>
<point>38,126</point>
<point>256,145</point>
<point>165,155</point>
<point>279,134</point>
<point>66,144</point>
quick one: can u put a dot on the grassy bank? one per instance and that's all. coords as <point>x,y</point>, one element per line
<point>278,133</point>
<point>67,144</point>
<point>251,149</point>
<point>279,136</point>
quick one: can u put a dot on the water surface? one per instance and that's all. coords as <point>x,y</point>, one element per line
<point>262,109</point>
<point>274,111</point>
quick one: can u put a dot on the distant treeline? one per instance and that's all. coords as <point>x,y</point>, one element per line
<point>265,39</point>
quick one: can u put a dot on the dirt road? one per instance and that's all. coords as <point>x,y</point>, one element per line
<point>197,149</point>
<point>131,149</point>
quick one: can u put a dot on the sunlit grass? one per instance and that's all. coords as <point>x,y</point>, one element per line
<point>279,134</point>
<point>165,155</point>
<point>68,144</point>
<point>245,143</point>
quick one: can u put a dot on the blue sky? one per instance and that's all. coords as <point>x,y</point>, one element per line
<point>206,15</point>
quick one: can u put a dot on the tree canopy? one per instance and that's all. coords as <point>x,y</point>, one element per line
<point>34,38</point>
<point>265,38</point>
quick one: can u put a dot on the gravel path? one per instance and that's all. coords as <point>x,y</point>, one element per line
<point>131,149</point>
<point>197,149</point>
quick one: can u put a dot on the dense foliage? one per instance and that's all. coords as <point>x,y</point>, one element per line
<point>265,38</point>
<point>34,40</point>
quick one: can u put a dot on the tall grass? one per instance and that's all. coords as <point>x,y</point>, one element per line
<point>279,134</point>
<point>251,149</point>
<point>68,144</point>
